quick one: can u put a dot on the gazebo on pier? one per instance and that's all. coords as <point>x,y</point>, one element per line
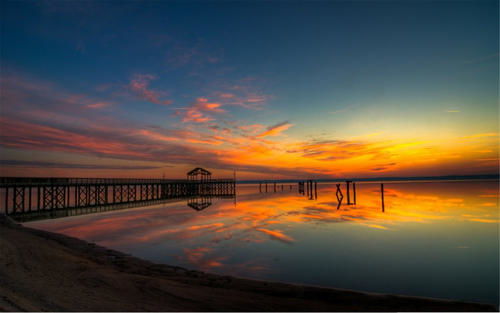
<point>199,174</point>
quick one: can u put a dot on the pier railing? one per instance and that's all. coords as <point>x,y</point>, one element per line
<point>11,181</point>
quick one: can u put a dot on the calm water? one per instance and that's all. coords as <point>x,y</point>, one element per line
<point>435,239</point>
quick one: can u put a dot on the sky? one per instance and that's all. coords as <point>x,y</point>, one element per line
<point>271,90</point>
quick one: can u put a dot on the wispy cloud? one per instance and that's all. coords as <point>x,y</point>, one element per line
<point>98,105</point>
<point>199,111</point>
<point>276,130</point>
<point>139,85</point>
<point>245,93</point>
<point>196,55</point>
<point>481,135</point>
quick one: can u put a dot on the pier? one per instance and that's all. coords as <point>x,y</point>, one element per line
<point>21,195</point>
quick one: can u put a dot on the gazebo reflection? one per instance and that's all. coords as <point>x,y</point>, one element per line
<point>199,202</point>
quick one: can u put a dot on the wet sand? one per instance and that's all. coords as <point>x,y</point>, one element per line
<point>43,271</point>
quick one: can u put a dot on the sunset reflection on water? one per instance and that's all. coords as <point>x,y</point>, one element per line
<point>437,239</point>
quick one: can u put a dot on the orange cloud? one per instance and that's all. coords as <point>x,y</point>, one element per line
<point>197,112</point>
<point>275,130</point>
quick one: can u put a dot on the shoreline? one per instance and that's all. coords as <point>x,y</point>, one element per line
<point>44,271</point>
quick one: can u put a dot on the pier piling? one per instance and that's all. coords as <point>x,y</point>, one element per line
<point>348,192</point>
<point>382,196</point>
<point>354,191</point>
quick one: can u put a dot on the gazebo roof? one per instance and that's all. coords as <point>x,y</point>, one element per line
<point>197,171</point>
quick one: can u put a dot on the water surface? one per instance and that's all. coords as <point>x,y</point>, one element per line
<point>434,239</point>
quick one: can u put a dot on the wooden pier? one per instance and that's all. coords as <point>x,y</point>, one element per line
<point>20,195</point>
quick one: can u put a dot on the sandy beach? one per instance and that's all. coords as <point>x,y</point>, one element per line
<point>42,271</point>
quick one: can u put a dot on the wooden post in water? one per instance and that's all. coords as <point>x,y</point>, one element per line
<point>274,186</point>
<point>266,186</point>
<point>382,195</point>
<point>348,192</point>
<point>260,187</point>
<point>316,190</point>
<point>354,191</point>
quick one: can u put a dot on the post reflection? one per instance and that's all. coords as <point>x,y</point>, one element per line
<point>382,196</point>
<point>339,195</point>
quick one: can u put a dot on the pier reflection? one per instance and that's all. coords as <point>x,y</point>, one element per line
<point>197,203</point>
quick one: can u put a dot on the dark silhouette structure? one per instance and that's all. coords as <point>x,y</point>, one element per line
<point>199,174</point>
<point>308,187</point>
<point>21,195</point>
<point>199,202</point>
<point>263,187</point>
<point>301,187</point>
<point>354,191</point>
<point>348,182</point>
<point>382,196</point>
<point>339,195</point>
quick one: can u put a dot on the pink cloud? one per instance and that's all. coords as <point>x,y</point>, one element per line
<point>198,111</point>
<point>17,134</point>
<point>184,136</point>
<point>98,105</point>
<point>156,136</point>
<point>139,85</point>
<point>242,93</point>
<point>30,95</point>
<point>251,129</point>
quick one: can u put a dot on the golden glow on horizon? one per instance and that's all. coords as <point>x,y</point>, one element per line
<point>259,152</point>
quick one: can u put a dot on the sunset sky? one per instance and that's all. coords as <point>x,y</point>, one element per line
<point>269,89</point>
